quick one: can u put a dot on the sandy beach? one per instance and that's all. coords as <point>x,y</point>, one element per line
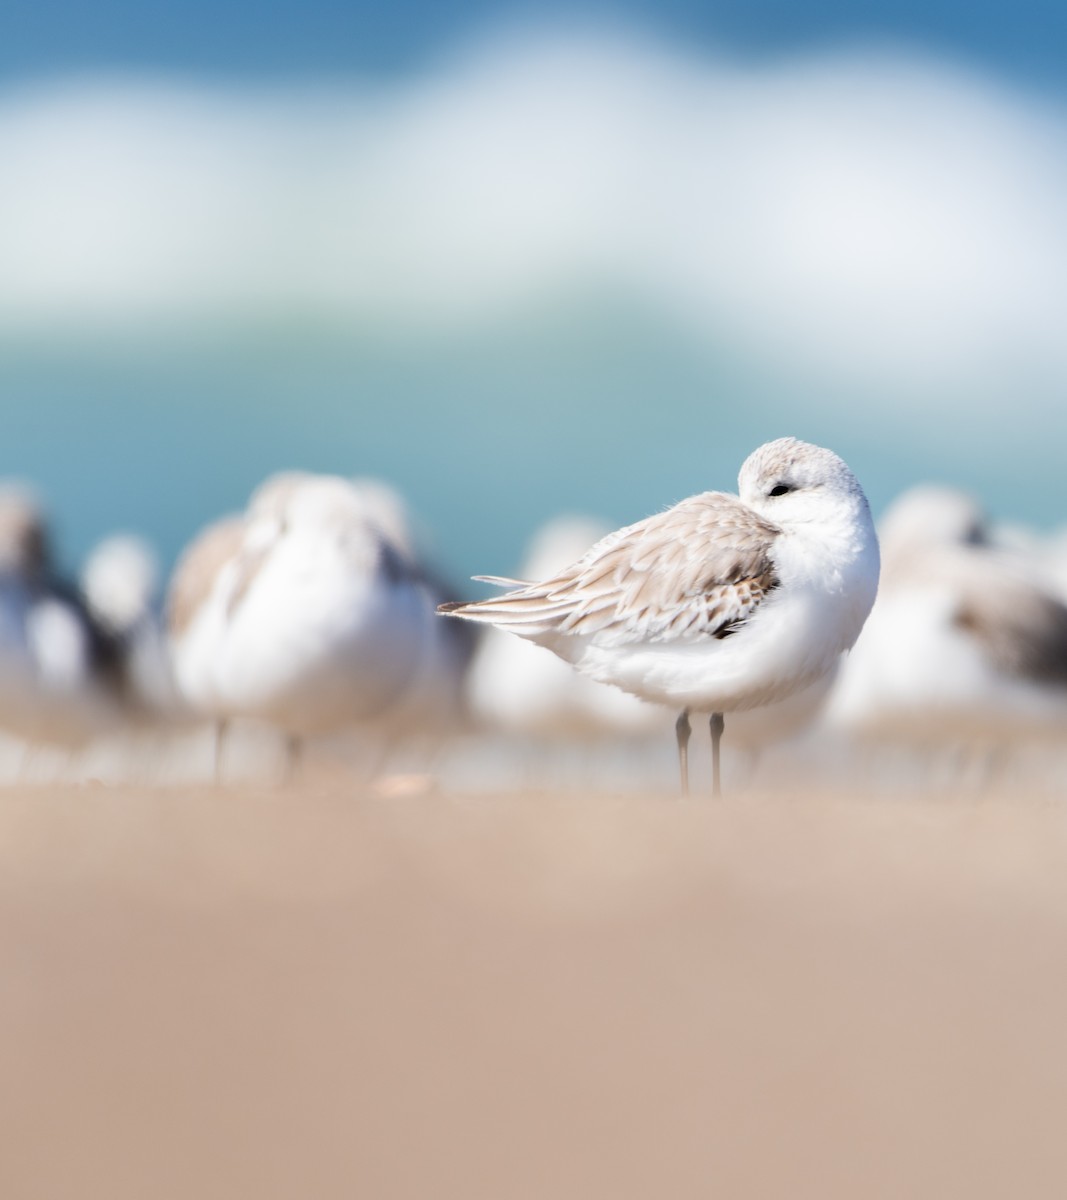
<point>271,993</point>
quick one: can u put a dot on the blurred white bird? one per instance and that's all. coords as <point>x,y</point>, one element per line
<point>302,613</point>
<point>1054,561</point>
<point>966,642</point>
<point>755,729</point>
<point>436,701</point>
<point>196,618</point>
<point>121,585</point>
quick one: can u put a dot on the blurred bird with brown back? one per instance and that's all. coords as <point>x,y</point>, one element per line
<point>967,645</point>
<point>304,614</point>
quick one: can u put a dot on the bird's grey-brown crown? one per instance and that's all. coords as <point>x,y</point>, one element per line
<point>787,466</point>
<point>930,516</point>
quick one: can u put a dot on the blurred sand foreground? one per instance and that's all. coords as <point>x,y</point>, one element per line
<point>267,993</point>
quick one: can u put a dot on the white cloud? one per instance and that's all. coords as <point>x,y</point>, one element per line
<point>859,215</point>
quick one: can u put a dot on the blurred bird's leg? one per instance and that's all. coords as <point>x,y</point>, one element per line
<point>294,759</point>
<point>682,730</point>
<point>994,765</point>
<point>221,727</point>
<point>998,763</point>
<point>717,726</point>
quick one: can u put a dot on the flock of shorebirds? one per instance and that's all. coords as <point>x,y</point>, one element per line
<point>769,613</point>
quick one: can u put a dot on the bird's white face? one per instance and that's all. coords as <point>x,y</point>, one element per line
<point>929,517</point>
<point>791,482</point>
<point>120,581</point>
<point>273,496</point>
<point>299,502</point>
<point>326,504</point>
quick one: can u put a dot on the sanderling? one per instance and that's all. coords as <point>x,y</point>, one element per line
<point>967,640</point>
<point>302,614</point>
<point>515,686</point>
<point>196,610</point>
<point>436,699</point>
<point>195,620</point>
<point>721,603</point>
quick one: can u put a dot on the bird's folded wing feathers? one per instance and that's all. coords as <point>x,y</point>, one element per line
<point>197,569</point>
<point>1022,627</point>
<point>699,569</point>
<point>502,581</point>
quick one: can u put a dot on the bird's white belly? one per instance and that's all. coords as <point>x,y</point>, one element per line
<point>194,656</point>
<point>314,653</point>
<point>794,639</point>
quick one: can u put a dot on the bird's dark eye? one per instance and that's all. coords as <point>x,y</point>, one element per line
<point>780,489</point>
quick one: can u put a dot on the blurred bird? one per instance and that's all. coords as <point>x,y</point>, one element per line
<point>722,603</point>
<point>196,618</point>
<point>436,700</point>
<point>120,583</point>
<point>60,678</point>
<point>302,613</point>
<point>1053,556</point>
<point>966,641</point>
<point>756,729</point>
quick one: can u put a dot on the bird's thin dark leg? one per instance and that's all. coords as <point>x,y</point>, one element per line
<point>682,730</point>
<point>220,739</point>
<point>717,726</point>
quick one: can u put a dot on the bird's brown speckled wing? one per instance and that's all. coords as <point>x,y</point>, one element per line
<point>698,570</point>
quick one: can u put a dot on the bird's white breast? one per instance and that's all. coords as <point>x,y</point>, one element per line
<point>827,578</point>
<point>317,641</point>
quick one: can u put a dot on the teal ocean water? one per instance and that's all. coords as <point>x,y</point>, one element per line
<point>486,437</point>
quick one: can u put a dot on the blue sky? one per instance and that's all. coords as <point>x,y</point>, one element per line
<point>289,38</point>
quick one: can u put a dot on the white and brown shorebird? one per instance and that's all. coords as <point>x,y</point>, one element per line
<point>720,604</point>
<point>306,612</point>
